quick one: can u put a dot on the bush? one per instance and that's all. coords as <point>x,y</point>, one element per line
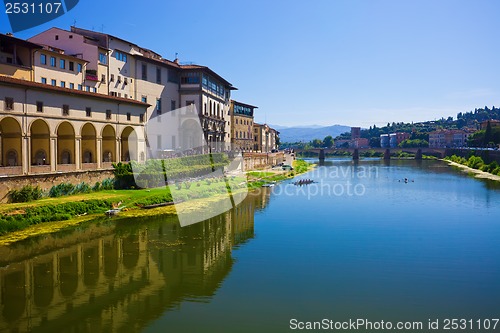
<point>108,184</point>
<point>61,190</point>
<point>49,213</point>
<point>26,194</point>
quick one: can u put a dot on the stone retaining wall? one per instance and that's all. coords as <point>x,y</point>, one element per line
<point>47,180</point>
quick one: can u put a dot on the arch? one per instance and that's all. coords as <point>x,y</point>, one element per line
<point>129,144</point>
<point>111,258</point>
<point>91,266</point>
<point>43,284</point>
<point>131,251</point>
<point>68,274</point>
<point>89,143</point>
<point>190,134</point>
<point>40,142</point>
<point>14,294</point>
<point>11,143</point>
<point>65,143</point>
<point>108,144</point>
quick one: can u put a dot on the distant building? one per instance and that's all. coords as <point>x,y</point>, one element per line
<point>384,140</point>
<point>265,138</point>
<point>448,138</point>
<point>359,143</point>
<point>396,138</point>
<point>355,132</point>
<point>242,134</point>
<point>493,123</point>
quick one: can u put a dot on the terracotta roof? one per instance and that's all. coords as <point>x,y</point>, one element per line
<point>41,86</point>
<point>23,42</point>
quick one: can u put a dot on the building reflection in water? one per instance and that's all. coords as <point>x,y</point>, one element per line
<point>119,277</point>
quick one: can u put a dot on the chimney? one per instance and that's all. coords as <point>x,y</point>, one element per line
<point>9,34</point>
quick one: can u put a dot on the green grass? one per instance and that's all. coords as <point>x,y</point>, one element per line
<point>18,216</point>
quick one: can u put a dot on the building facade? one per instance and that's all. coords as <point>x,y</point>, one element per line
<point>266,139</point>
<point>242,134</point>
<point>448,138</point>
<point>45,128</point>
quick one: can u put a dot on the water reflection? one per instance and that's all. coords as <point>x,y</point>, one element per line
<point>119,277</point>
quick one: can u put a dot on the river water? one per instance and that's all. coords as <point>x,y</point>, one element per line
<point>361,243</point>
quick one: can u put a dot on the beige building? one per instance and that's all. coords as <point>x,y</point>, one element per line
<point>16,57</point>
<point>242,134</point>
<point>266,139</point>
<point>47,129</point>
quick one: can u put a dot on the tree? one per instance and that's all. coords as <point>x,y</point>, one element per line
<point>487,134</point>
<point>317,143</point>
<point>328,141</point>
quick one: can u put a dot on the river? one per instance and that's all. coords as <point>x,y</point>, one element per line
<point>399,241</point>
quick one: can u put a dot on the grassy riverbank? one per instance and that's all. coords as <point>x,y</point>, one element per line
<point>22,220</point>
<point>475,166</point>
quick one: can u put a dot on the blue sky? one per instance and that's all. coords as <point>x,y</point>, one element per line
<point>348,62</point>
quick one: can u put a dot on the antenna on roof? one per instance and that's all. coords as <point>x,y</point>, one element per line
<point>102,28</point>
<point>74,23</point>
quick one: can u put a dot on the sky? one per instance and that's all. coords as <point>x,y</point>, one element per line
<point>323,62</point>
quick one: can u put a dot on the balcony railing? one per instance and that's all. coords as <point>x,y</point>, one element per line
<point>91,75</point>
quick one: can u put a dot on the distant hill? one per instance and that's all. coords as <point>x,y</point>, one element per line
<point>306,134</point>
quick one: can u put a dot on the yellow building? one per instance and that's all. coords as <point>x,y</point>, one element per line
<point>242,126</point>
<point>266,139</point>
<point>49,129</point>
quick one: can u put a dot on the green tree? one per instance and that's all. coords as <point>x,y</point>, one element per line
<point>487,135</point>
<point>317,143</point>
<point>328,141</point>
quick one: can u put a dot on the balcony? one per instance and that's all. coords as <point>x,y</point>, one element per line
<point>91,75</point>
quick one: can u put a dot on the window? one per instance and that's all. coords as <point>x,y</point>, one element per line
<point>63,84</point>
<point>108,114</point>
<point>141,117</point>
<point>53,61</point>
<point>103,59</point>
<point>62,63</point>
<point>158,142</point>
<point>119,79</point>
<point>125,81</point>
<point>9,103</point>
<point>53,82</point>
<point>190,78</point>
<point>144,71</point>
<point>80,87</point>
<point>112,78</point>
<point>65,110</point>
<point>88,112</point>
<point>103,78</point>
<point>57,37</point>
<point>39,106</point>
<point>44,80</point>
<point>87,88</point>
<point>158,104</point>
<point>172,105</point>
<point>43,59</point>
<point>79,68</point>
<point>144,99</point>
<point>94,89</point>
<point>71,66</point>
<point>158,75</point>
<point>71,86</point>
<point>120,56</point>
<point>128,116</point>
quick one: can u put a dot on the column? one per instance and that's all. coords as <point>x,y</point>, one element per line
<point>99,153</point>
<point>78,152</point>
<point>118,149</point>
<point>53,153</point>
<point>26,155</point>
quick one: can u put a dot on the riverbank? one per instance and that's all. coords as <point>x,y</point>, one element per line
<point>198,195</point>
<point>477,173</point>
